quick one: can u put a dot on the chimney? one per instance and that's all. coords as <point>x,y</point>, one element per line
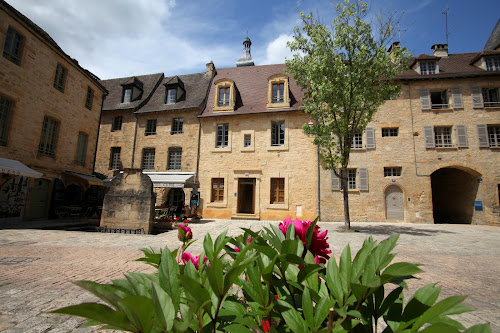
<point>395,45</point>
<point>210,68</point>
<point>440,50</point>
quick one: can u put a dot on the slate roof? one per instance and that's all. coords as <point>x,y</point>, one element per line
<point>114,99</point>
<point>453,66</point>
<point>46,37</point>
<point>494,41</point>
<point>195,85</point>
<point>252,84</point>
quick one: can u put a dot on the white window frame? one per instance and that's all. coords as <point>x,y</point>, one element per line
<point>127,95</point>
<point>390,132</point>
<point>278,132</point>
<point>427,67</point>
<point>171,96</point>
<point>222,136</point>
<point>491,97</point>
<point>392,171</point>
<point>492,63</point>
<point>115,158</point>
<point>177,126</point>
<point>357,141</point>
<point>443,137</point>
<point>494,135</point>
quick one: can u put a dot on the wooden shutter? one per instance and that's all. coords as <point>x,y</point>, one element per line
<point>456,94</point>
<point>363,179</point>
<point>370,137</point>
<point>482,133</point>
<point>335,182</point>
<point>462,136</point>
<point>425,99</point>
<point>429,137</point>
<point>477,97</point>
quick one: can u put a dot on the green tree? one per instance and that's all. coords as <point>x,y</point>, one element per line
<point>346,74</point>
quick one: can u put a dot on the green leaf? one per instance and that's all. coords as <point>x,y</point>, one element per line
<point>235,271</point>
<point>438,309</point>
<point>266,250</point>
<point>199,294</point>
<point>98,312</point>
<point>208,246</point>
<point>140,311</point>
<point>482,328</point>
<point>109,293</point>
<point>310,232</point>
<point>307,308</point>
<point>168,272</point>
<point>440,328</point>
<point>360,259</point>
<point>400,269</point>
<point>215,276</point>
<point>307,270</point>
<point>293,318</point>
<point>164,307</point>
<point>220,242</point>
<point>333,281</point>
<point>321,311</point>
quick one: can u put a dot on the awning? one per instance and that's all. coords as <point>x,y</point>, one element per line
<point>90,179</point>
<point>14,167</point>
<point>171,179</point>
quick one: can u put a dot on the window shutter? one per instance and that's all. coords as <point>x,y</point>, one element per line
<point>462,136</point>
<point>370,137</point>
<point>425,99</point>
<point>482,133</point>
<point>429,137</point>
<point>477,97</point>
<point>363,179</point>
<point>456,94</point>
<point>335,182</point>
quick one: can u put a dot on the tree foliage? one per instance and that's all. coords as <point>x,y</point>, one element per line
<point>346,74</point>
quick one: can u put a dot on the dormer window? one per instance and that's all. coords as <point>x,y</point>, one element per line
<point>278,92</point>
<point>428,67</point>
<point>492,63</point>
<point>171,94</point>
<point>132,90</point>
<point>225,95</point>
<point>127,95</point>
<point>174,90</point>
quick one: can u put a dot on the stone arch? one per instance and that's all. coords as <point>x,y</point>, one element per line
<point>394,202</point>
<point>454,190</point>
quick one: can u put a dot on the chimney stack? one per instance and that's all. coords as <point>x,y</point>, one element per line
<point>210,68</point>
<point>440,50</point>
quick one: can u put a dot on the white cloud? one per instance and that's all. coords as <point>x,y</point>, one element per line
<point>277,50</point>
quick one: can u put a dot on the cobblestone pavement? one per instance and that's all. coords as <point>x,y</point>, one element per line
<point>37,266</point>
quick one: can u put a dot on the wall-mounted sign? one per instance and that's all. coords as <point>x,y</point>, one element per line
<point>480,180</point>
<point>478,205</point>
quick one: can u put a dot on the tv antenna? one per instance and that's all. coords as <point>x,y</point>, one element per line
<point>446,23</point>
<point>399,28</point>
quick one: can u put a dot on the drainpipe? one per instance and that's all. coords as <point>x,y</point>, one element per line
<point>412,135</point>
<point>133,144</point>
<point>98,131</point>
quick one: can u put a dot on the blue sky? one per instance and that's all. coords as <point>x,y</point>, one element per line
<point>120,38</point>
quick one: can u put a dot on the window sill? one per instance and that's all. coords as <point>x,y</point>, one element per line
<point>359,149</point>
<point>278,148</point>
<point>216,205</point>
<point>150,134</point>
<point>492,108</point>
<point>176,133</point>
<point>277,206</point>
<point>278,105</point>
<point>221,150</point>
<point>223,108</point>
<point>447,148</point>
<point>247,149</point>
<point>440,109</point>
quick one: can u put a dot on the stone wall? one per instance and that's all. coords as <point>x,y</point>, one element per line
<point>129,203</point>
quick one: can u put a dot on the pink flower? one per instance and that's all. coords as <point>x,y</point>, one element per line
<point>185,233</point>
<point>237,249</point>
<point>186,256</point>
<point>319,246</point>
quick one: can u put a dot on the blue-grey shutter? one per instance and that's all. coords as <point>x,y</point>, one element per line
<point>482,134</point>
<point>477,97</point>
<point>462,136</point>
<point>370,137</point>
<point>425,99</point>
<point>335,182</point>
<point>363,179</point>
<point>456,94</point>
<point>429,137</point>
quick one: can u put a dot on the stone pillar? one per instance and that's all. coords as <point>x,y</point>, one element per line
<point>130,202</point>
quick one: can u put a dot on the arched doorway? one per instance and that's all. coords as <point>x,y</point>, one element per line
<point>394,203</point>
<point>453,194</point>
<point>174,196</point>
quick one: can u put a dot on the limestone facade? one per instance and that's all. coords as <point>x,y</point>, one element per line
<point>29,65</point>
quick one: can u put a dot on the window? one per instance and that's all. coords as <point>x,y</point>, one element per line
<point>351,179</point>
<point>47,146</point>
<point>278,133</point>
<point>177,126</point>
<point>439,99</point>
<point>171,96</point>
<point>217,189</point>
<point>427,67</point>
<point>277,190</point>
<point>492,63</point>
<point>150,127</point>
<point>5,110</point>
<point>490,97</point>
<point>60,77</point>
<point>127,95</point>
<point>494,135</point>
<point>81,148</point>
<point>114,159</point>
<point>442,137</point>
<point>174,158</point>
<point>278,95</point>
<point>148,159</point>
<point>392,172</point>
<point>390,132</point>
<point>225,95</point>
<point>117,124</point>
<point>13,46</point>
<point>357,141</point>
<point>247,140</point>
<point>89,99</point>
<point>222,135</point>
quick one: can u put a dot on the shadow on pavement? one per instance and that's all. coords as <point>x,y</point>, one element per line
<point>393,229</point>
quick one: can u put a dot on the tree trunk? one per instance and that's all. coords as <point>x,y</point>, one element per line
<point>347,218</point>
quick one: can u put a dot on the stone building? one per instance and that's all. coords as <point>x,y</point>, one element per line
<point>49,120</point>
<point>255,160</point>
<point>432,154</point>
<point>150,122</point>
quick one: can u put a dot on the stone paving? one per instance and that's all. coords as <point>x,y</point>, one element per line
<point>37,266</point>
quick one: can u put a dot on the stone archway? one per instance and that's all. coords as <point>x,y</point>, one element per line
<point>453,193</point>
<point>394,203</point>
